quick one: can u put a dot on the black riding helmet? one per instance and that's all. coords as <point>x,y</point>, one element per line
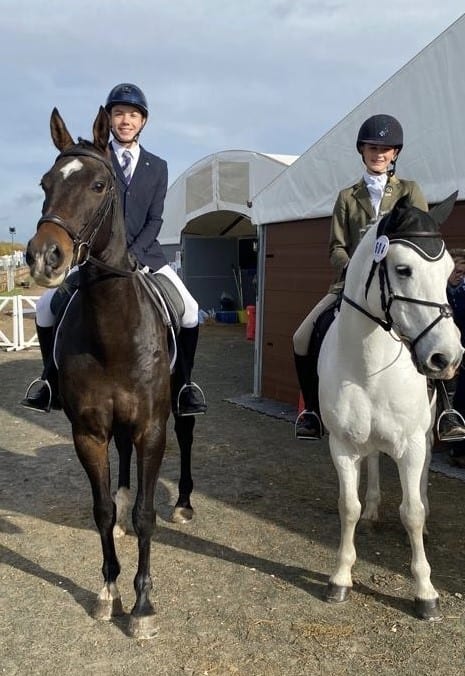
<point>382,130</point>
<point>129,95</point>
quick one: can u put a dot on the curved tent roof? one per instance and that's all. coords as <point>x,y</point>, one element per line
<point>427,95</point>
<point>212,196</point>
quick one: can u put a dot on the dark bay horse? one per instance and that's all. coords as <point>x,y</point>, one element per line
<point>114,367</point>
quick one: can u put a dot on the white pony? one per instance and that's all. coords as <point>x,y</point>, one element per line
<point>394,329</point>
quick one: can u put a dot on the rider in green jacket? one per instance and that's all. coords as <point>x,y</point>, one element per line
<point>357,208</point>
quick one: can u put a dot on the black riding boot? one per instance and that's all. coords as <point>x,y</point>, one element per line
<point>188,398</point>
<point>308,424</point>
<point>42,393</point>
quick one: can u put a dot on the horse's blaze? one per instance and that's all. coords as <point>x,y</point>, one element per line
<point>70,168</point>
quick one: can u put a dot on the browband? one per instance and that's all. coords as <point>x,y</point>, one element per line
<point>87,152</point>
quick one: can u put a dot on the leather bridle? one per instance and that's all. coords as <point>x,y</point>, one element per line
<point>388,296</point>
<point>84,238</point>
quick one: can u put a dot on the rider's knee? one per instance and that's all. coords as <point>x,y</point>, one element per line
<point>44,314</point>
<point>190,317</point>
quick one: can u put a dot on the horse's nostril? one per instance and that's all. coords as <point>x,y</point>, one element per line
<point>53,256</point>
<point>439,361</point>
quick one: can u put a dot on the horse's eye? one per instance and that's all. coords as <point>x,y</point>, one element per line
<point>98,186</point>
<point>404,270</point>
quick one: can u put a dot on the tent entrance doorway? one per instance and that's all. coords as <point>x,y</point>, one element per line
<point>216,267</point>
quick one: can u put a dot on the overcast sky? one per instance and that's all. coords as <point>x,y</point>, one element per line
<point>266,75</point>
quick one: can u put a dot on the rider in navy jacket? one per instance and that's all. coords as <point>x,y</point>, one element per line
<point>142,189</point>
<point>142,202</point>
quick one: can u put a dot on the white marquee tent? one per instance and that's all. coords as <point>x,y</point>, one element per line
<point>427,95</point>
<point>211,196</point>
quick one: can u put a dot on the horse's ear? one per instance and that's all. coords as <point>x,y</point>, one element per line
<point>60,135</point>
<point>401,205</point>
<point>391,221</point>
<point>441,212</point>
<point>102,129</point>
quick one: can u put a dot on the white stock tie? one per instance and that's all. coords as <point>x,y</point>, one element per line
<point>375,186</point>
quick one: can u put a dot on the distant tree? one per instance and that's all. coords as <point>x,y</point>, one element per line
<point>8,248</point>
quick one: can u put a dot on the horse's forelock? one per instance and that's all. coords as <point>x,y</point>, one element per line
<point>409,221</point>
<point>415,227</point>
<point>84,144</point>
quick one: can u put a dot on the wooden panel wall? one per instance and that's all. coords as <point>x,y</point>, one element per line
<point>297,276</point>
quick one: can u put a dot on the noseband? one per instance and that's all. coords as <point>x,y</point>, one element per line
<point>387,299</point>
<point>80,243</point>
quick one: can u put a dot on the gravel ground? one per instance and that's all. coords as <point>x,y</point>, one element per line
<point>240,589</point>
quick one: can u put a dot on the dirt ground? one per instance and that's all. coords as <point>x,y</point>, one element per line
<point>240,589</point>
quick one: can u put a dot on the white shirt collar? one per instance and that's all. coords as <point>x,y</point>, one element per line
<point>375,180</point>
<point>119,150</point>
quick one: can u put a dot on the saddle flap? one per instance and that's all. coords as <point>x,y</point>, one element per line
<point>171,296</point>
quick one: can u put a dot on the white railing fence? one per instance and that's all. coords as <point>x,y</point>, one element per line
<point>17,334</point>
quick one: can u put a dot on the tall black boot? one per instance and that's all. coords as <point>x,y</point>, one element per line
<point>42,393</point>
<point>188,398</point>
<point>308,424</point>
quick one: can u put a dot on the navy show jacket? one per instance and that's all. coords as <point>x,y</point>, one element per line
<point>143,202</point>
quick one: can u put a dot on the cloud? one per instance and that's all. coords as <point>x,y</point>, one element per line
<point>265,75</point>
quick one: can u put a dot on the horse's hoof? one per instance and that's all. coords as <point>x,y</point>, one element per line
<point>182,514</point>
<point>142,626</point>
<point>106,609</point>
<point>428,609</point>
<point>337,594</point>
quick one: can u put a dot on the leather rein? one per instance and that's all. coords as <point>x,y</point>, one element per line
<point>387,299</point>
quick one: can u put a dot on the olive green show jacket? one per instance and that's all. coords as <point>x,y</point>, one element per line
<point>353,214</point>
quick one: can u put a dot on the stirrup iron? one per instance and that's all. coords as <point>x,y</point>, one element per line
<point>45,382</point>
<point>319,431</point>
<point>460,421</point>
<point>196,388</point>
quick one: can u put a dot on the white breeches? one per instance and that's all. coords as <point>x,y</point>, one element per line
<point>44,315</point>
<point>190,318</point>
